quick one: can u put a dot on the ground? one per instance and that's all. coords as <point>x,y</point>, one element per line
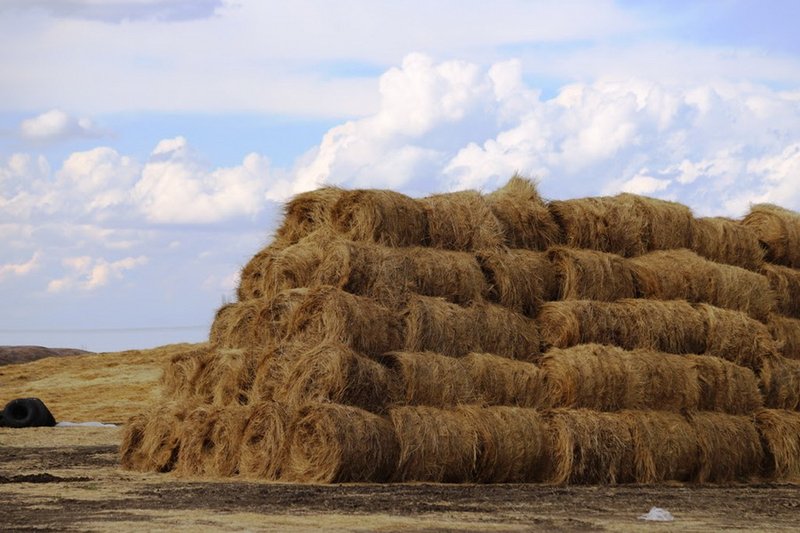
<point>61,479</point>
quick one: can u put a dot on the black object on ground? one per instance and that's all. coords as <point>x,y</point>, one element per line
<point>26,413</point>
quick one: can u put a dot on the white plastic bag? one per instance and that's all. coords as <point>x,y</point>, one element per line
<point>657,514</point>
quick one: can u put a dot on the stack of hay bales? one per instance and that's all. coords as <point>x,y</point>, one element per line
<point>495,338</point>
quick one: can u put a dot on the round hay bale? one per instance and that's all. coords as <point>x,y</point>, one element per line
<point>780,383</point>
<point>786,332</point>
<point>133,434</point>
<point>518,279</point>
<point>736,337</point>
<point>332,443</point>
<point>665,446</point>
<point>501,381</point>
<point>250,278</point>
<point>262,446</point>
<point>380,216</point>
<point>524,217</point>
<point>234,376</point>
<point>307,212</point>
<point>671,326</point>
<point>150,441</point>
<point>177,380</point>
<point>197,446</point>
<point>785,284</point>
<point>607,378</point>
<point>683,275</point>
<point>330,314</point>
<point>588,447</point>
<point>729,447</point>
<point>433,324</point>
<point>455,276</point>
<point>227,435</point>
<point>427,378</point>
<point>780,436</point>
<point>332,372</point>
<point>591,275</point>
<point>778,231</point>
<point>461,221</point>
<point>727,241</point>
<point>725,386</point>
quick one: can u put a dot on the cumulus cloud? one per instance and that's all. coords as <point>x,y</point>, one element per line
<point>21,269</point>
<point>120,10</point>
<point>86,273</point>
<point>56,125</point>
<point>101,177</point>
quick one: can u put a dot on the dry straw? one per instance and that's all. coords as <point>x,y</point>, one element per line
<point>233,376</point>
<point>432,379</point>
<point>332,372</point>
<point>276,361</point>
<point>726,241</point>
<point>197,445</point>
<point>729,447</point>
<point>250,278</point>
<point>433,324</point>
<point>518,279</point>
<point>778,230</point>
<point>683,275</point>
<point>262,445</point>
<point>307,212</point>
<point>179,375</point>
<point>725,386</point>
<point>330,314</point>
<point>150,441</point>
<point>591,275</point>
<point>785,284</point>
<point>330,443</point>
<point>672,327</point>
<point>786,332</point>
<point>501,381</point>
<point>780,435</point>
<point>524,217</point>
<point>665,446</point>
<point>780,383</point>
<point>734,336</point>
<point>606,378</point>
<point>625,224</point>
<point>380,216</point>
<point>461,221</point>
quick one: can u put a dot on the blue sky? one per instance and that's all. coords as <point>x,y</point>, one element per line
<point>146,146</point>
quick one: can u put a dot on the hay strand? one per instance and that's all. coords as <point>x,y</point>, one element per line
<point>729,447</point>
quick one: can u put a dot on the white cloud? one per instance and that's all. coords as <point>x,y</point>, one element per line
<point>87,274</point>
<point>101,177</point>
<point>21,269</point>
<point>56,124</point>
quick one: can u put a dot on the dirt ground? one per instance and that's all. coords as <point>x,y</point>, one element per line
<point>61,479</point>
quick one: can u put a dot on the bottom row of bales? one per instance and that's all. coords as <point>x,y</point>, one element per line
<point>327,442</point>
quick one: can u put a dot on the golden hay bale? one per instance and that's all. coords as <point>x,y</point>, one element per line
<point>591,275</point>
<point>780,436</point>
<point>684,275</point>
<point>330,314</point>
<point>177,380</point>
<point>511,443</point>
<point>785,284</point>
<point>729,447</point>
<point>672,327</point>
<point>501,381</point>
<point>461,221</point>
<point>433,324</point>
<point>271,373</point>
<point>306,213</point>
<point>151,440</point>
<point>332,372</point>
<point>332,443</point>
<point>786,332</point>
<point>227,438</point>
<point>385,273</point>
<point>726,241</point>
<point>665,446</point>
<point>262,445</point>
<point>524,217</point>
<point>725,386</point>
<point>607,378</point>
<point>255,323</point>
<point>588,447</point>
<point>197,445</point>
<point>427,378</point>
<point>381,216</point>
<point>734,336</point>
<point>234,376</point>
<point>626,224</point>
<point>778,230</point>
<point>287,268</point>
<point>518,279</point>
<point>437,445</point>
<point>250,277</point>
<point>780,383</point>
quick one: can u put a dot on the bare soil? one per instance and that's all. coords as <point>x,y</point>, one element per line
<point>62,479</point>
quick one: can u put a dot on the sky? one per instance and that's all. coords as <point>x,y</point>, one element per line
<point>147,146</point>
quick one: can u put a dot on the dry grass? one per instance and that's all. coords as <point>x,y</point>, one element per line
<point>729,447</point>
<point>501,381</point>
<point>780,383</point>
<point>380,216</point>
<point>591,275</point>
<point>262,446</point>
<point>786,332</point>
<point>307,212</point>
<point>524,217</point>
<point>518,279</point>
<point>725,386</point>
<point>426,378</point>
<point>665,446</point>
<point>778,230</point>
<point>780,436</point>
<point>461,221</point>
<point>727,241</point>
<point>151,440</point>
<point>734,336</point>
<point>785,284</point>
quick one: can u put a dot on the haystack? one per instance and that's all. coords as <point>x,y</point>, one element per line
<point>785,284</point>
<point>778,230</point>
<point>383,217</point>
<point>591,275</point>
<point>305,213</point>
<point>523,215</point>
<point>786,332</point>
<point>518,279</point>
<point>780,433</point>
<point>461,221</point>
<point>726,241</point>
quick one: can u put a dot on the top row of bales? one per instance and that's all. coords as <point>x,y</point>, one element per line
<point>516,216</point>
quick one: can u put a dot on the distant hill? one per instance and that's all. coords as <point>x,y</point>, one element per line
<point>10,355</point>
